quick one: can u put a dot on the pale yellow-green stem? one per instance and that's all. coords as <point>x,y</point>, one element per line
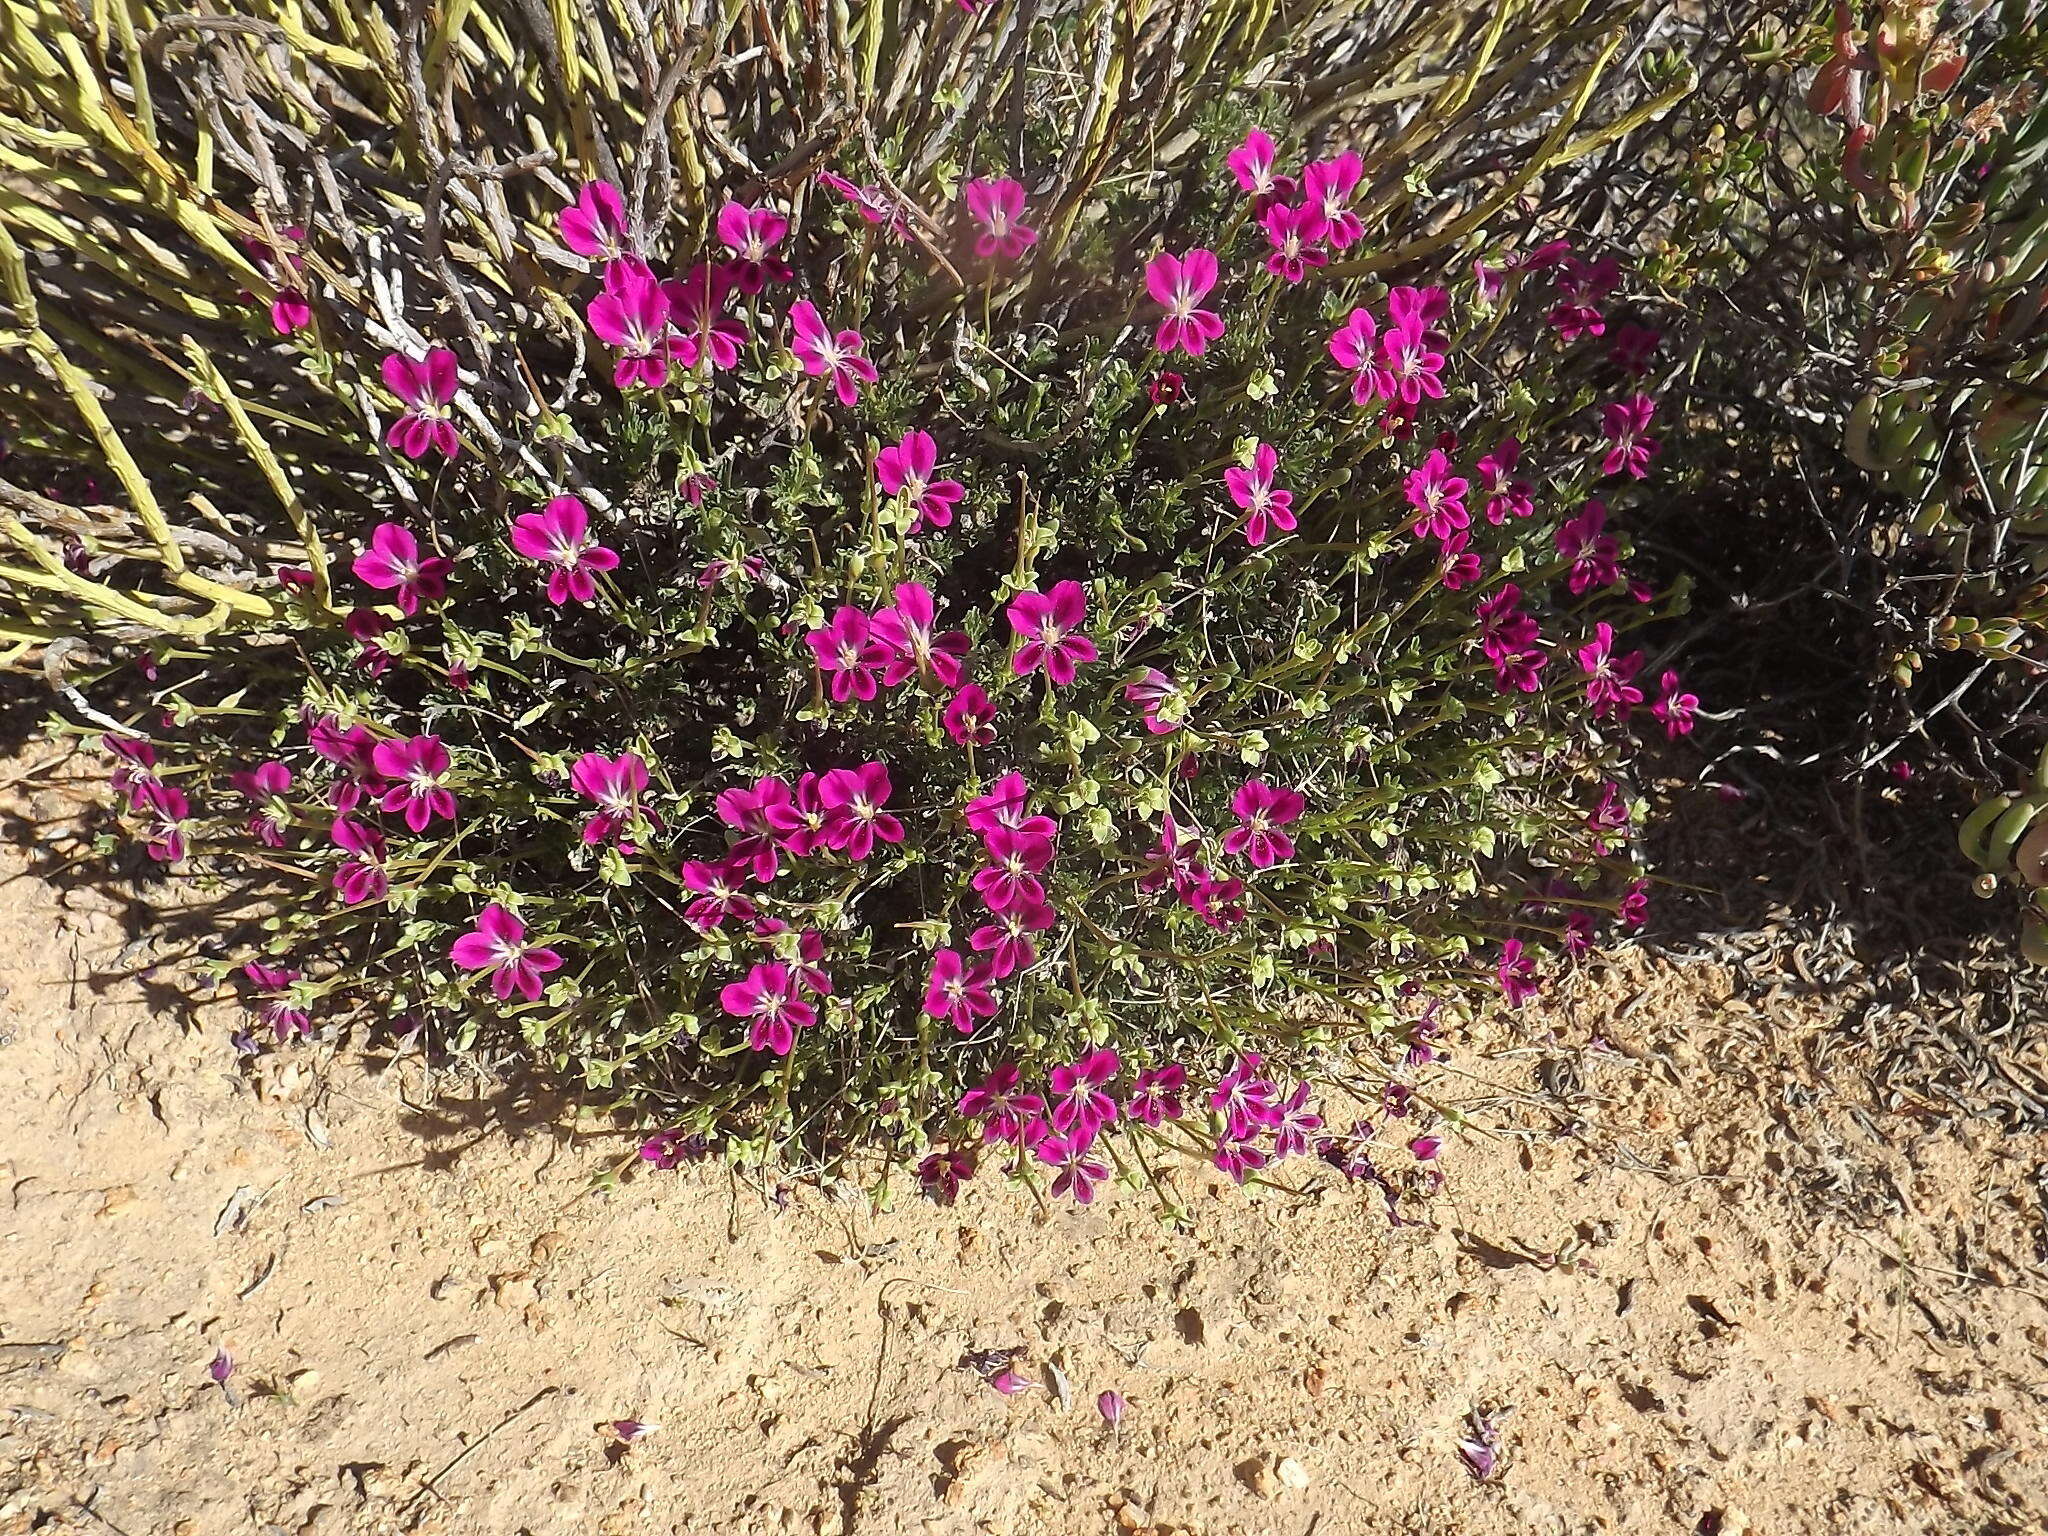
<point>126,470</point>
<point>51,575</point>
<point>1548,153</point>
<point>21,298</point>
<point>217,386</point>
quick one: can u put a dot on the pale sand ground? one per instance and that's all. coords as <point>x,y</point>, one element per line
<point>1774,1321</point>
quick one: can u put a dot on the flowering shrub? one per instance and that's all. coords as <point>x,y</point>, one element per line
<point>1023,739</point>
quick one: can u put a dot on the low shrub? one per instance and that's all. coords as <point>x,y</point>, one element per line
<point>1046,675</point>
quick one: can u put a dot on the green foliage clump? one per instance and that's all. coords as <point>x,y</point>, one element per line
<point>507,630</point>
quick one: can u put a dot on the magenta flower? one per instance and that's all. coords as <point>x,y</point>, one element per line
<point>905,633</point>
<point>853,799</point>
<point>595,224</point>
<point>1179,284</point>
<point>1166,388</point>
<point>1438,497</point>
<point>1262,809</point>
<point>267,784</point>
<point>498,944</point>
<point>1016,859</point>
<point>1545,256</point>
<point>752,234</point>
<point>848,652</point>
<point>941,1174</point>
<point>164,809</point>
<point>1111,1406</point>
<point>1248,1103</point>
<point>671,1148</point>
<point>1215,901</point>
<point>1490,278</point>
<point>1581,285</point>
<point>361,877</point>
<point>718,889</point>
<point>1459,565</point>
<point>366,626</point>
<point>1506,496</point>
<point>708,334</point>
<point>276,1006</point>
<point>1252,164</point>
<point>797,820</point>
<point>1410,361</point>
<point>633,314</point>
<point>970,718</point>
<point>768,1000</point>
<point>998,1104</point>
<point>1295,1130</point>
<point>1326,188</point>
<point>1578,934</point>
<point>352,751</point>
<point>823,352</point>
<point>1573,319</point>
<point>392,564</point>
<point>753,814</point>
<point>1007,940</point>
<point>747,568</point>
<point>1633,347</point>
<point>615,786</point>
<point>1160,697</point>
<point>1609,817</point>
<point>1156,1095</point>
<point>1046,624</point>
<point>906,470</point>
<point>998,207</point>
<point>414,769</point>
<point>559,535</point>
<point>1354,347</point>
<point>959,993</point>
<point>1583,279</point>
<point>290,311</point>
<point>1594,555</point>
<point>1008,804</point>
<point>1510,639</point>
<point>1634,910</point>
<point>1516,973</point>
<point>134,770</point>
<point>870,202</point>
<point>1079,1172</point>
<point>1253,490</point>
<point>1079,1107</point>
<point>425,387</point>
<point>1007,1381</point>
<point>1610,689</point>
<point>1673,708</point>
<point>806,960</point>
<point>1629,448</point>
<point>1419,309</point>
<point>1295,234</point>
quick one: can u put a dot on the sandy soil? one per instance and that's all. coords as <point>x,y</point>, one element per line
<point>1716,1296</point>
